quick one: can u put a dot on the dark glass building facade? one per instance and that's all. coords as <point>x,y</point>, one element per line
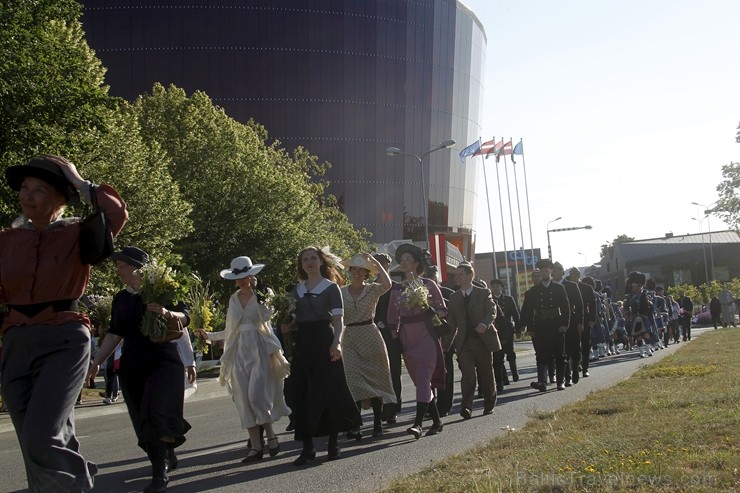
<point>344,79</point>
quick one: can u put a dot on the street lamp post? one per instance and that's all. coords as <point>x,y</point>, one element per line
<point>549,248</point>
<point>585,262</point>
<point>707,212</point>
<point>395,151</point>
<point>703,246</point>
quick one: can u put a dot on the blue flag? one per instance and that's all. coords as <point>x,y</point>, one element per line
<point>518,149</point>
<point>470,150</point>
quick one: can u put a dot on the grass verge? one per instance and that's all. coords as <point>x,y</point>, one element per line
<point>672,427</point>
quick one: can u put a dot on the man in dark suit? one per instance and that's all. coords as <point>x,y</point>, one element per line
<point>589,319</point>
<point>507,323</point>
<point>546,312</point>
<point>392,345</point>
<point>575,328</point>
<point>687,310</point>
<point>446,395</point>
<point>471,314</point>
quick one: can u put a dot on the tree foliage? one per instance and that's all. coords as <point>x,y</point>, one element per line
<point>248,198</point>
<point>52,97</point>
<point>200,187</point>
<point>607,249</point>
<point>728,205</point>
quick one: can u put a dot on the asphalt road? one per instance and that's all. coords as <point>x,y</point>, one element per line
<point>210,459</point>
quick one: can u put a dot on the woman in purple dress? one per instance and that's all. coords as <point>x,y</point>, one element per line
<point>410,317</point>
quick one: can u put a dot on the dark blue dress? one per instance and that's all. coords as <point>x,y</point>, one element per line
<point>152,375</point>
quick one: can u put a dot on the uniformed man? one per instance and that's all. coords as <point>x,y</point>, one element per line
<point>546,313</point>
<point>640,310</point>
<point>589,314</point>
<point>573,334</point>
<point>507,324</point>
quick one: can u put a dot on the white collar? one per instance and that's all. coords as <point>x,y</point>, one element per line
<point>467,292</point>
<point>318,289</point>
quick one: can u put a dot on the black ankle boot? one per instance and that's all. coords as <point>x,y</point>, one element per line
<point>421,410</point>
<point>157,452</point>
<point>514,371</point>
<point>437,424</point>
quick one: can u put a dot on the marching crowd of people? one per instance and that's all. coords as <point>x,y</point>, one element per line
<point>347,340</point>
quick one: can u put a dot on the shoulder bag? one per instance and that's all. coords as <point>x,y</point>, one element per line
<point>174,330</point>
<point>96,238</point>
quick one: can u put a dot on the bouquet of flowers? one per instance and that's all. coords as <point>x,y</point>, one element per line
<point>284,315</point>
<point>416,295</point>
<point>284,305</point>
<point>162,285</point>
<point>202,311</point>
<point>101,312</point>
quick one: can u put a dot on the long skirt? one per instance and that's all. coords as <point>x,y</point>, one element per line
<point>366,364</point>
<point>322,403</point>
<point>153,390</point>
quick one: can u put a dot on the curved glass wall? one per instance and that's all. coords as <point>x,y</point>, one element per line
<point>344,79</point>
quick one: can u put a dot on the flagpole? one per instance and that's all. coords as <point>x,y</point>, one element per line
<point>519,212</point>
<point>511,220</point>
<point>526,190</point>
<point>503,228</point>
<point>490,220</point>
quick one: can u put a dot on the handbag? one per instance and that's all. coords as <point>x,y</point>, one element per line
<point>174,330</point>
<point>96,238</point>
<point>443,329</point>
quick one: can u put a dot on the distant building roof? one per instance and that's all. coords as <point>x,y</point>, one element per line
<point>644,251</point>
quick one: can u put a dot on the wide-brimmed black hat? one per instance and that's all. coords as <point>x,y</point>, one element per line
<point>45,169</point>
<point>132,256</point>
<point>636,277</point>
<point>411,249</point>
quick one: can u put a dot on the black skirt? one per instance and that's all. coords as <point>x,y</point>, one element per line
<point>321,401</point>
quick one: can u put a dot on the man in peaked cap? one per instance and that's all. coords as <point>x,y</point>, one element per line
<point>589,319</point>
<point>573,334</point>
<point>546,313</point>
<point>507,324</point>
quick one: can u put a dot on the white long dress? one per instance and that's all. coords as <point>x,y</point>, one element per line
<point>252,367</point>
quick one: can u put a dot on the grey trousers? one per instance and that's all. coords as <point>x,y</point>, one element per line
<point>43,369</point>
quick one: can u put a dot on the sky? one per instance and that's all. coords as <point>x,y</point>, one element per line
<point>627,109</point>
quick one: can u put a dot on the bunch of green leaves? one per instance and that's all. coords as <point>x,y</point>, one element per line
<point>201,302</point>
<point>165,286</point>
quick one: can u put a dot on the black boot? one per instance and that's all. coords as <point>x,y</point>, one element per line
<point>437,424</point>
<point>157,452</point>
<point>332,448</point>
<point>421,410</point>
<point>171,457</point>
<point>560,375</point>
<point>514,372</point>
<point>377,416</point>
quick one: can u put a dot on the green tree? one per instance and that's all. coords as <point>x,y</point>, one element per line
<point>728,205</point>
<point>607,249</point>
<point>248,198</point>
<point>52,97</point>
<point>140,173</point>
